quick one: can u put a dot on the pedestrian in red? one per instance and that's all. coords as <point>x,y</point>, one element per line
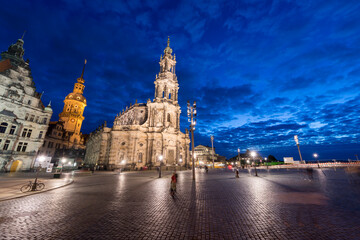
<point>173,184</point>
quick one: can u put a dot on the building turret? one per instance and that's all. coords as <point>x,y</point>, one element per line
<point>166,84</point>
<point>15,53</point>
<point>74,105</point>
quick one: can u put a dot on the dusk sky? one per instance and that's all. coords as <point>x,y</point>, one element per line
<point>260,71</point>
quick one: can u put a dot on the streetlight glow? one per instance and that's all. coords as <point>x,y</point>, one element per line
<point>253,154</point>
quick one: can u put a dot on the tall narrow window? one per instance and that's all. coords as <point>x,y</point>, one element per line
<point>3,127</point>
<point>32,118</point>
<point>24,132</point>
<point>168,117</point>
<point>40,134</point>
<point>45,121</point>
<point>19,146</point>
<point>29,133</point>
<point>26,116</point>
<point>6,145</point>
<point>24,147</point>
<point>12,130</point>
<point>37,119</point>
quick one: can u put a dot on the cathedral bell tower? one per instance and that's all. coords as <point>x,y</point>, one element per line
<point>166,84</point>
<point>74,105</point>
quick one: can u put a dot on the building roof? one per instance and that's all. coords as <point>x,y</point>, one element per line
<point>5,65</point>
<point>8,113</point>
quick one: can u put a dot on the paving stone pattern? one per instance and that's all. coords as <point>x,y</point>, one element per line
<point>279,204</point>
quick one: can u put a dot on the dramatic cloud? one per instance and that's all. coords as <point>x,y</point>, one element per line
<point>260,71</point>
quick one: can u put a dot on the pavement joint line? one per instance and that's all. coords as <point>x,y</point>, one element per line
<point>37,192</point>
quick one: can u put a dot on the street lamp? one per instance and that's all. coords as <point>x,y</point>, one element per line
<point>160,159</point>
<point>253,155</point>
<point>212,146</point>
<point>267,164</point>
<point>191,112</point>
<point>298,145</point>
<point>180,162</point>
<point>315,155</point>
<point>239,157</point>
<point>123,162</point>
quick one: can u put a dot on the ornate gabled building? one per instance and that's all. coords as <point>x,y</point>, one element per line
<point>145,131</point>
<point>23,117</point>
<point>64,136</point>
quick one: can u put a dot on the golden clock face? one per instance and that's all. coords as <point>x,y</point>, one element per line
<point>72,120</point>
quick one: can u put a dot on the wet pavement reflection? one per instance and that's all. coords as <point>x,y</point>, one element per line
<point>278,204</point>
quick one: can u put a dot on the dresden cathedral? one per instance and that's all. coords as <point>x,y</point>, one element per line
<point>145,134</point>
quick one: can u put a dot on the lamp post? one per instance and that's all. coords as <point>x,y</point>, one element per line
<point>298,145</point>
<point>253,154</point>
<point>191,112</point>
<point>267,164</point>
<point>212,146</point>
<point>160,159</point>
<point>239,157</point>
<point>315,155</point>
<point>123,162</point>
<point>180,162</point>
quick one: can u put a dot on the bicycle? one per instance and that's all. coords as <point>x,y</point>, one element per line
<point>28,187</point>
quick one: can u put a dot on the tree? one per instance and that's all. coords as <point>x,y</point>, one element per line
<point>271,158</point>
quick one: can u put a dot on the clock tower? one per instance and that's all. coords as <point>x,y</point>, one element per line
<point>74,105</point>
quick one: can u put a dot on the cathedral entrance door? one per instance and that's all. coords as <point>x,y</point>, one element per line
<point>171,157</point>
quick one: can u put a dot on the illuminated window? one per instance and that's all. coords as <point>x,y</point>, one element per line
<point>140,156</point>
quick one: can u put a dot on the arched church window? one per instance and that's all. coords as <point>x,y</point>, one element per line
<point>169,95</point>
<point>163,94</point>
<point>3,127</point>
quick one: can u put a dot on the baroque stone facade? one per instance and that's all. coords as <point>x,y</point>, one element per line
<point>23,117</point>
<point>145,131</point>
<point>63,138</point>
<point>204,155</point>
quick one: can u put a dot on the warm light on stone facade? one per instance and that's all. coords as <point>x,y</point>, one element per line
<point>23,117</point>
<point>64,137</point>
<point>145,131</point>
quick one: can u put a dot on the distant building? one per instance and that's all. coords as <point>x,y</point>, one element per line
<point>64,138</point>
<point>205,154</point>
<point>145,134</point>
<point>23,117</point>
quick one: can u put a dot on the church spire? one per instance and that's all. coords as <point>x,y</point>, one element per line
<point>82,74</point>
<point>168,49</point>
<point>81,78</point>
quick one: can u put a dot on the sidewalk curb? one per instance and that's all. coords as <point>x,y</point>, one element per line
<point>37,192</point>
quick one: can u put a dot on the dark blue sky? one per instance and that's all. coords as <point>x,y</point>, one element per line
<point>260,71</point>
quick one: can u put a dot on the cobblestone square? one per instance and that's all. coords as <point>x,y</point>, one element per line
<point>279,204</point>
